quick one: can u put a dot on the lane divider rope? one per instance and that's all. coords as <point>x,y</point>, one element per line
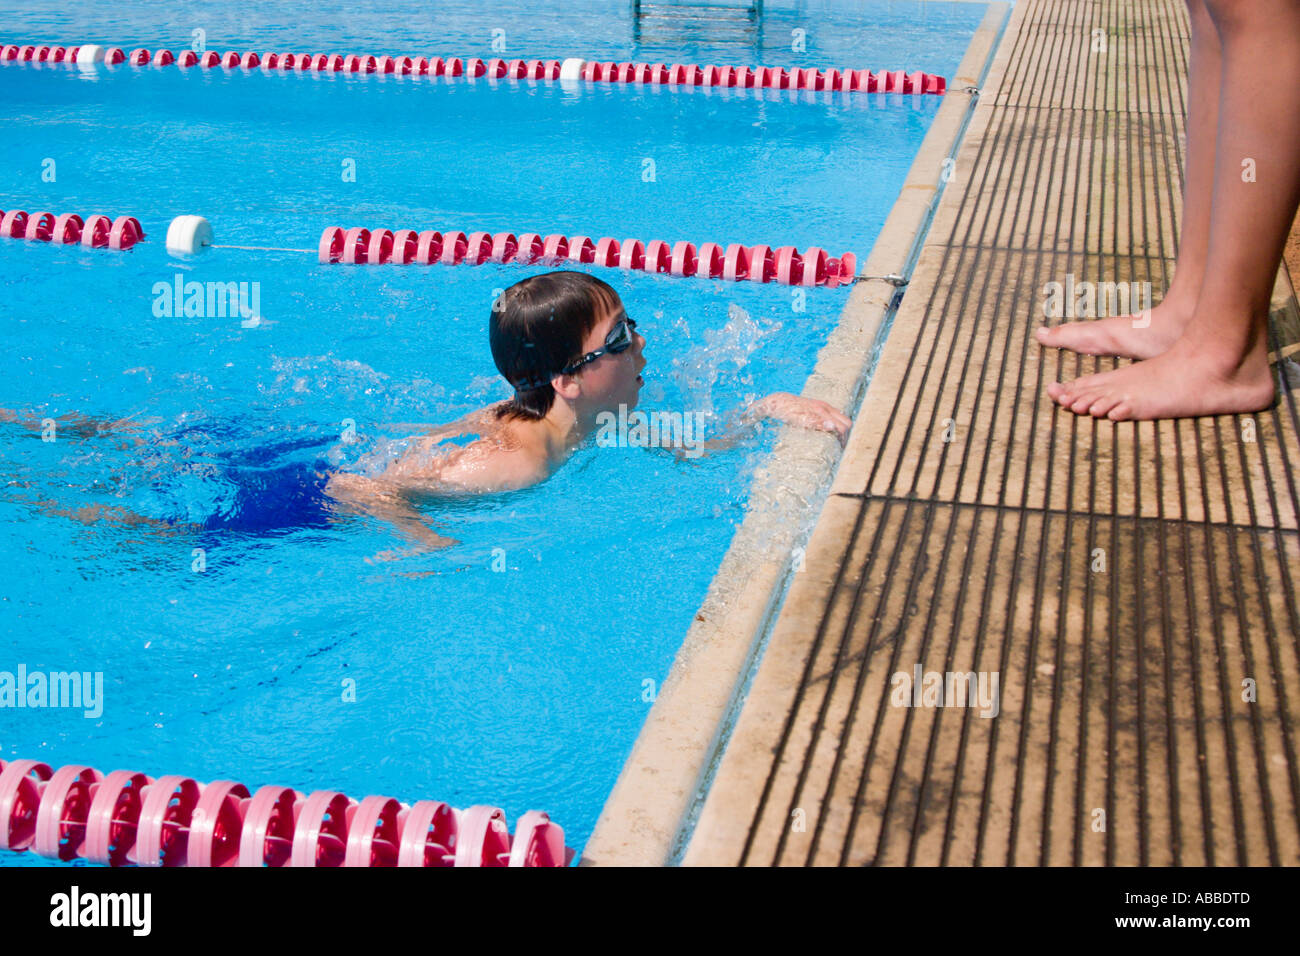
<point>96,231</point>
<point>709,260</point>
<point>128,818</point>
<point>190,235</point>
<point>914,82</point>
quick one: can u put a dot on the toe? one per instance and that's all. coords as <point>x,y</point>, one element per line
<point>1067,392</point>
<point>1104,403</point>
<point>1083,403</point>
<point>1085,397</point>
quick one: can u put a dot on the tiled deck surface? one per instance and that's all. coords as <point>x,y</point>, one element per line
<point>1124,581</point>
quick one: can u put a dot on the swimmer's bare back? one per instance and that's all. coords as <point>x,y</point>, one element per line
<point>501,458</point>
<point>504,455</point>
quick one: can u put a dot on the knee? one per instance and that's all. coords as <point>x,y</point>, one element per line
<point>1231,16</point>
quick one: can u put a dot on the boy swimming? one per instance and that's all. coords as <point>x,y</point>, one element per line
<point>568,348</point>
<point>571,353</point>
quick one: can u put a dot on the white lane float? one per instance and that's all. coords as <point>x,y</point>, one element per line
<point>188,235</point>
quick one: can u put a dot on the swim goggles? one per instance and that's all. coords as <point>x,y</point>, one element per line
<point>618,340</point>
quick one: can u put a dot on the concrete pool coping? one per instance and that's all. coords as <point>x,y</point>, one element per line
<point>649,815</point>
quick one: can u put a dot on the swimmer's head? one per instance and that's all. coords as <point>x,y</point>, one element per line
<point>543,326</point>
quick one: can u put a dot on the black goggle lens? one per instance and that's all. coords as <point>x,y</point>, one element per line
<point>620,337</point>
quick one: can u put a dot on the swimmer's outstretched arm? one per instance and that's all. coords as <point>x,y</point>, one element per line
<point>363,495</point>
<point>791,409</point>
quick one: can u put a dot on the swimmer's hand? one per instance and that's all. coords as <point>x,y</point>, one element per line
<point>802,412</point>
<point>784,407</point>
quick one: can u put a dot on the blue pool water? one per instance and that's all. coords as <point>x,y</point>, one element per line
<point>511,668</point>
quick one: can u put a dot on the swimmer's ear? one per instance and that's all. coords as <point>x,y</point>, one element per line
<point>567,386</point>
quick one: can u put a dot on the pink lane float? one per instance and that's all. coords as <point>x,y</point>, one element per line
<point>570,70</point>
<point>709,260</point>
<point>130,819</point>
<point>96,231</point>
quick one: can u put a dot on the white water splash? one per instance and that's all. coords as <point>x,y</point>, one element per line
<point>721,359</point>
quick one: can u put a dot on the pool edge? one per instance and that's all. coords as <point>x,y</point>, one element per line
<point>648,816</point>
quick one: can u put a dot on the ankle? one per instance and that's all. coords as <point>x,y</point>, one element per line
<point>1229,349</point>
<point>1177,301</point>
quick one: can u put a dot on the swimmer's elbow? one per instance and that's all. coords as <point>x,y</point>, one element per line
<point>347,487</point>
<point>342,485</point>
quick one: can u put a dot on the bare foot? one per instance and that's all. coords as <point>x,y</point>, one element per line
<point>436,543</point>
<point>1184,382</point>
<point>1140,336</point>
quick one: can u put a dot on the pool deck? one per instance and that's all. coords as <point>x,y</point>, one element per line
<point>1130,584</point>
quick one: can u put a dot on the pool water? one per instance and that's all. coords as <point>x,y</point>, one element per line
<point>515,668</point>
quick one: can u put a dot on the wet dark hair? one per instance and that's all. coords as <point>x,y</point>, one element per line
<point>537,328</point>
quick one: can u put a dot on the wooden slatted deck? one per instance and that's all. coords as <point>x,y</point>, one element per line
<point>1127,583</point>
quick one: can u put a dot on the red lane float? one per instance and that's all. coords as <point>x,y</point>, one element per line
<point>355,243</point>
<point>40,227</point>
<point>428,250</point>
<point>676,74</point>
<point>67,229</point>
<point>380,250</point>
<point>97,232</point>
<point>709,260</point>
<point>20,801</point>
<point>216,825</point>
<point>63,811</point>
<point>128,818</point>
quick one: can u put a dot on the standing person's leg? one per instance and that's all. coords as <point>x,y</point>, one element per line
<point>1220,364</point>
<point>1117,335</point>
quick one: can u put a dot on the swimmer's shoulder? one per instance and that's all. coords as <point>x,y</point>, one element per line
<point>492,456</point>
<point>480,420</point>
<point>478,453</point>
